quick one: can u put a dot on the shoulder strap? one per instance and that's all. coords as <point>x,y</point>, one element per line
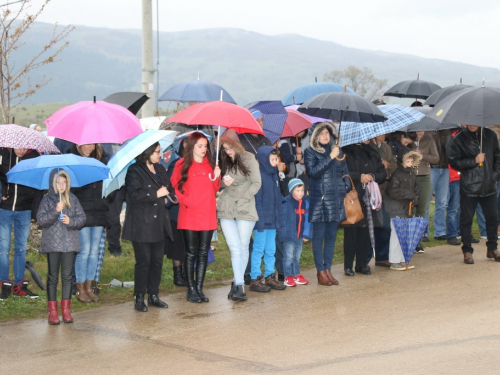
<point>352,183</point>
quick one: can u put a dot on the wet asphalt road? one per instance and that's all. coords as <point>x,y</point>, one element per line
<point>440,318</point>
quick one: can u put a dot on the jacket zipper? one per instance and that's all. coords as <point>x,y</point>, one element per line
<point>300,218</point>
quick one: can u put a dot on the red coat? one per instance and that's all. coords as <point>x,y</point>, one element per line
<point>197,206</point>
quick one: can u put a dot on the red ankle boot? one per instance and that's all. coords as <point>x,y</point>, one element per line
<point>53,318</point>
<point>66,313</point>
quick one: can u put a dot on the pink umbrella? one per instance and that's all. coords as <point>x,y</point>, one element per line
<point>313,119</point>
<point>15,136</point>
<point>93,122</point>
<point>295,123</point>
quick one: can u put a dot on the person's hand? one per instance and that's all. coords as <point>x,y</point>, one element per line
<point>480,158</point>
<point>281,167</point>
<point>365,178</point>
<point>228,181</point>
<point>59,206</point>
<point>386,164</point>
<point>65,219</point>
<point>162,192</point>
<point>5,198</point>
<point>335,152</point>
<point>216,171</point>
<point>418,150</point>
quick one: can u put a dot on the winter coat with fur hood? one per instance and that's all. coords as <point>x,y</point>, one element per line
<point>56,236</point>
<point>328,188</point>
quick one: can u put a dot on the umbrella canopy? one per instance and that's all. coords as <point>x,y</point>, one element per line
<point>409,232</point>
<point>426,124</point>
<point>443,93</point>
<point>274,117</point>
<point>416,88</point>
<point>93,122</point>
<point>133,101</point>
<point>171,152</point>
<point>302,94</point>
<point>15,136</point>
<point>397,117</point>
<point>35,172</point>
<point>125,156</point>
<point>342,106</point>
<point>295,107</point>
<point>196,91</point>
<point>477,106</point>
<point>295,123</point>
<point>219,113</point>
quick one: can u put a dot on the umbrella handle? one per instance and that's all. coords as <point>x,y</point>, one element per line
<point>210,177</point>
<point>172,200</point>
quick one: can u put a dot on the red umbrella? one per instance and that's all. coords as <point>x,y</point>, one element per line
<point>295,123</point>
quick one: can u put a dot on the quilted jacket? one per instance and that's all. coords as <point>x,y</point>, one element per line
<point>327,189</point>
<point>56,236</point>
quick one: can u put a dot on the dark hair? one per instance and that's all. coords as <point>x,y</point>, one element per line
<point>274,152</point>
<point>227,164</point>
<point>146,154</point>
<point>411,135</point>
<point>189,143</point>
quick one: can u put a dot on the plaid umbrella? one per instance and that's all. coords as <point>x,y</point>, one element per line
<point>15,136</point>
<point>409,232</point>
<point>100,256</point>
<point>274,117</point>
<point>397,115</point>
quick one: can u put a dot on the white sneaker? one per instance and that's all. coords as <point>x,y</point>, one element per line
<point>397,267</point>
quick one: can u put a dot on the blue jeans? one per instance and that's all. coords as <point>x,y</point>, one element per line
<point>323,244</point>
<point>21,221</point>
<point>264,245</point>
<point>481,221</point>
<point>440,186</point>
<point>291,257</point>
<point>453,211</point>
<point>238,234</point>
<point>86,259</point>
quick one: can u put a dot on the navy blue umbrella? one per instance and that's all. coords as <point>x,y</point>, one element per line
<point>196,91</point>
<point>274,117</point>
<point>302,94</point>
<point>409,232</point>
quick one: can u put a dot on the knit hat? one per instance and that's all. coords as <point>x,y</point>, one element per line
<point>293,183</point>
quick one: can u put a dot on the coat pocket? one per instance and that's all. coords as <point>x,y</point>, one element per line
<point>242,206</point>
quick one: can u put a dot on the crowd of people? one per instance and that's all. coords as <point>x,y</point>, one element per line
<point>269,200</point>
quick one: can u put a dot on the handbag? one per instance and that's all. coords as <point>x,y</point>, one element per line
<point>353,211</point>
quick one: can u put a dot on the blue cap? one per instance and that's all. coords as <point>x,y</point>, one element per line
<point>257,114</point>
<point>293,183</point>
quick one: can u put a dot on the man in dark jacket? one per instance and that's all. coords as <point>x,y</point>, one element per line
<point>478,183</point>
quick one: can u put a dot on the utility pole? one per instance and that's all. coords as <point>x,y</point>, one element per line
<point>147,58</point>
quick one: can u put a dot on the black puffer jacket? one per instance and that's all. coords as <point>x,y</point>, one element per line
<point>475,180</point>
<point>363,159</point>
<point>90,196</point>
<point>403,187</point>
<point>20,197</point>
<point>328,189</point>
<point>56,236</point>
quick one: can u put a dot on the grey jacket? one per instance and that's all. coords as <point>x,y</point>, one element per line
<point>56,236</point>
<point>238,200</point>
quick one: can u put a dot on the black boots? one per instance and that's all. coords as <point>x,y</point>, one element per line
<point>191,294</point>
<point>239,293</point>
<point>139,303</point>
<point>153,300</point>
<point>201,268</point>
<point>178,277</point>
<point>230,294</point>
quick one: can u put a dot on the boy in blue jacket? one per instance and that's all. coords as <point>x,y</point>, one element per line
<point>267,203</point>
<point>294,226</point>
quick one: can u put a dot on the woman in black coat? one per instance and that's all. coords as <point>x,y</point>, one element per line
<point>147,224</point>
<point>364,165</point>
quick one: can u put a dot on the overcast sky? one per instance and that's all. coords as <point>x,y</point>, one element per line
<point>458,30</point>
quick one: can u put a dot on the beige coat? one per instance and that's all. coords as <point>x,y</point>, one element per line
<point>429,153</point>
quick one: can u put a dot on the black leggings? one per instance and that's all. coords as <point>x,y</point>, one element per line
<point>64,261</point>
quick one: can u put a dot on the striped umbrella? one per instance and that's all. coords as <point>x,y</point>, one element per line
<point>274,117</point>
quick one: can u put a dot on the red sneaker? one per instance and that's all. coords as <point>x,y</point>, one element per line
<point>300,280</point>
<point>289,281</point>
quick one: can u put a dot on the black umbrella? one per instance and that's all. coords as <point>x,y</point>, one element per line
<point>36,277</point>
<point>416,88</point>
<point>133,101</point>
<point>426,124</point>
<point>443,93</point>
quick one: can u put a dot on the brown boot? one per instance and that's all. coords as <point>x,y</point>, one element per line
<point>90,291</point>
<point>273,282</point>
<point>258,285</point>
<point>493,255</point>
<point>468,259</point>
<point>323,278</point>
<point>81,293</point>
<point>331,278</point>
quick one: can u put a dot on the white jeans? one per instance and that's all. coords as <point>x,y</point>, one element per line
<point>237,234</point>
<point>395,251</point>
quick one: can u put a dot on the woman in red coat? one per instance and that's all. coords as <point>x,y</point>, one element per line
<point>197,208</point>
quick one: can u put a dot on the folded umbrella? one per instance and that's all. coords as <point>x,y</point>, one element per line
<point>274,117</point>
<point>409,232</point>
<point>34,274</point>
<point>196,91</point>
<point>303,93</point>
<point>133,101</point>
<point>15,136</point>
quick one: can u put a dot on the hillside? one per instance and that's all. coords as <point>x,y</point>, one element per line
<point>249,65</point>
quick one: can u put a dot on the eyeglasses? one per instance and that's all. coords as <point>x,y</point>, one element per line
<point>227,149</point>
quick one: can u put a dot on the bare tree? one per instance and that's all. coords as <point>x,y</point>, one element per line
<point>360,80</point>
<point>15,82</point>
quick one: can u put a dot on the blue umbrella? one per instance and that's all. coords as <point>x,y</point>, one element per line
<point>125,156</point>
<point>35,172</point>
<point>172,151</point>
<point>397,115</point>
<point>274,117</point>
<point>196,91</point>
<point>409,233</point>
<point>302,94</point>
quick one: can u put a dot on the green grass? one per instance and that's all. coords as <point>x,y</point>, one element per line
<point>26,115</point>
<point>122,268</point>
